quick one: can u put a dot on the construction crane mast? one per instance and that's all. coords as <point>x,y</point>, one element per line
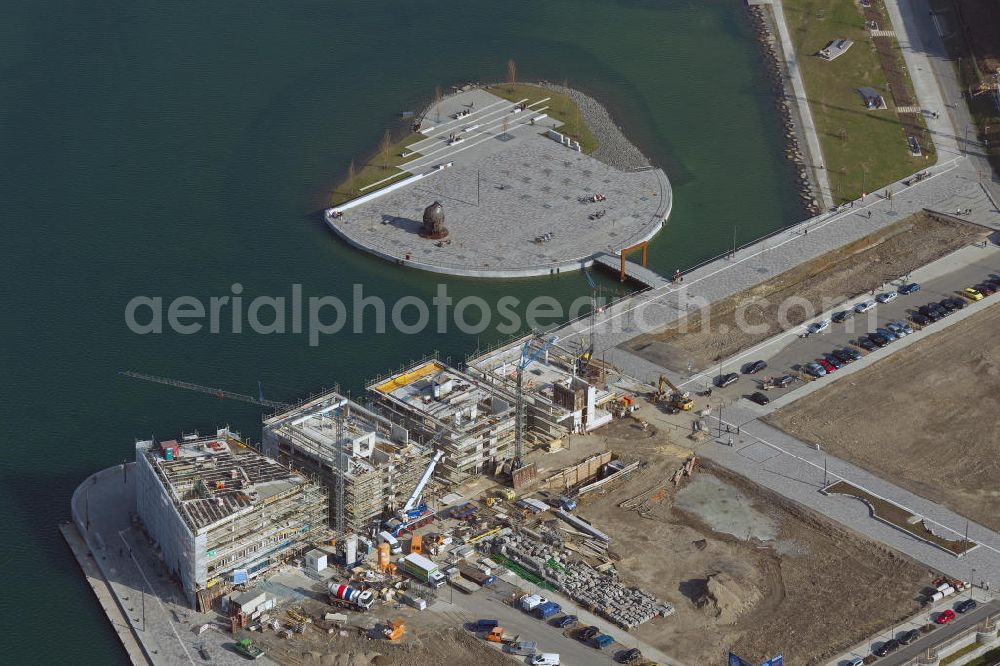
<point>219,393</point>
<point>527,358</point>
<point>589,353</point>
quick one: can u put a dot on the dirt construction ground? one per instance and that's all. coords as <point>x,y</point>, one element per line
<point>926,417</point>
<point>857,268</point>
<point>757,597</point>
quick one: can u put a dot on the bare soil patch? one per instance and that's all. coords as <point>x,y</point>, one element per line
<point>925,418</point>
<point>721,330</point>
<point>755,598</point>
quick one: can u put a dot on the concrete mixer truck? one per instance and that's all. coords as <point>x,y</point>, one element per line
<point>350,597</point>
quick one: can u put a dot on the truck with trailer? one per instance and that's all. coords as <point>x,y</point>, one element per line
<point>347,596</point>
<point>476,575</point>
<point>498,635</point>
<point>463,584</point>
<point>423,570</point>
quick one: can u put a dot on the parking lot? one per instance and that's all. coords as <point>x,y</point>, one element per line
<point>788,353</point>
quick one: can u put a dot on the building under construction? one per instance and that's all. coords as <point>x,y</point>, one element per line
<point>222,513</point>
<point>381,464</point>
<point>561,393</point>
<point>472,421</point>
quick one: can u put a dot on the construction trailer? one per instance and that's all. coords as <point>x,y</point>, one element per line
<point>558,400</point>
<point>471,421</point>
<point>221,513</point>
<point>381,464</point>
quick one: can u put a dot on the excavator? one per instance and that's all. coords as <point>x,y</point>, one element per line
<point>674,396</point>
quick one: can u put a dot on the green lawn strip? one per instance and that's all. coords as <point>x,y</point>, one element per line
<point>984,659</point>
<point>560,107</point>
<point>899,517</point>
<point>372,170</point>
<point>858,145</point>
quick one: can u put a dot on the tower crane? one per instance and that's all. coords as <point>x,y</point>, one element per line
<point>220,393</point>
<point>527,358</point>
<point>589,352</point>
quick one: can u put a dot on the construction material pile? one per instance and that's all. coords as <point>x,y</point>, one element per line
<point>602,593</point>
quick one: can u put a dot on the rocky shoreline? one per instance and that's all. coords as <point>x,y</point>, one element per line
<point>808,189</point>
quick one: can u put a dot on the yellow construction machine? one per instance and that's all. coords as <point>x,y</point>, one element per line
<point>666,391</point>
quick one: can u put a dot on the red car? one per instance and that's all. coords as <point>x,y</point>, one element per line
<point>829,367</point>
<point>945,616</point>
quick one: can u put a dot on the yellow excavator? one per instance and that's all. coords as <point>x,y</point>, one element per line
<point>666,391</point>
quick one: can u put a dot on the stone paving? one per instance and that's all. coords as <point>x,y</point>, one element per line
<point>503,192</point>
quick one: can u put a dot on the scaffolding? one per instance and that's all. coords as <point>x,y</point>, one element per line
<point>473,420</point>
<point>368,463</point>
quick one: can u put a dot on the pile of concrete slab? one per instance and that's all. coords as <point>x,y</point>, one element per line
<point>601,593</point>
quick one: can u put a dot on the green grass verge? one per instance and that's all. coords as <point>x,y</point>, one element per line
<point>372,170</point>
<point>560,107</point>
<point>857,144</point>
<point>981,660</point>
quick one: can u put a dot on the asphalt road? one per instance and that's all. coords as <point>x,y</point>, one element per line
<point>956,626</point>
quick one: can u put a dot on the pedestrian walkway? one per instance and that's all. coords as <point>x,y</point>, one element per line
<point>883,33</point>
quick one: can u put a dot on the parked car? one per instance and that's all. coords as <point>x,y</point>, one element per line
<point>864,306</point>
<point>814,369</point>
<point>985,288</point>
<point>784,381</point>
<point>933,314</point>
<point>958,303</point>
<point>993,281</point>
<point>948,305</point>
<point>878,339</point>
<point>842,316</point>
<point>886,297</point>
<point>834,361</point>
<point>760,398</point>
<point>867,344</point>
<point>853,353</point>
<point>587,633</point>
<point>855,661</point>
<point>908,637</point>
<point>898,330</point>
<point>909,288</point>
<point>907,329</point>
<point>566,621</point>
<point>966,606</point>
<point>818,326</point>
<point>602,641</point>
<point>727,380</point>
<point>885,648</point>
<point>972,294</point>
<point>829,367</point>
<point>755,367</point>
<point>629,656</point>
<point>842,355</point>
<point>945,616</point>
<point>919,319</point>
<point>887,334</point>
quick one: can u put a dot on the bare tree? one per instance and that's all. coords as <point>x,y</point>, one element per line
<point>384,148</point>
<point>350,178</point>
<point>511,73</point>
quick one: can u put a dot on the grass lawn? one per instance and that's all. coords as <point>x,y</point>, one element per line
<point>372,171</point>
<point>561,107</point>
<point>857,144</point>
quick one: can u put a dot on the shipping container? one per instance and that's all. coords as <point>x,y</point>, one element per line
<point>476,575</point>
<point>463,584</point>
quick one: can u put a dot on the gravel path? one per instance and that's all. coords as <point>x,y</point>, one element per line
<point>612,146</point>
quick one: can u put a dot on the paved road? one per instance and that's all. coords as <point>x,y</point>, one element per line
<point>963,622</point>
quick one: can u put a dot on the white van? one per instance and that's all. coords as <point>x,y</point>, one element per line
<point>394,546</point>
<point>545,659</point>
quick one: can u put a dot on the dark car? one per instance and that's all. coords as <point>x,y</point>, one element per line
<point>726,380</point>
<point>629,656</point>
<point>919,319</point>
<point>588,633</point>
<point>755,367</point>
<point>908,637</point>
<point>834,361</point>
<point>878,339</point>
<point>886,648</point>
<point>948,305</point>
<point>993,281</point>
<point>959,303</point>
<point>842,316</point>
<point>853,353</point>
<point>867,344</point>
<point>933,314</point>
<point>784,381</point>
<point>760,398</point>
<point>986,289</point>
<point>909,288</point>
<point>566,621</point>
<point>966,606</point>
<point>842,355</point>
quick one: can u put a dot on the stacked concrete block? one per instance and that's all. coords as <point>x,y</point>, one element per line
<point>602,593</point>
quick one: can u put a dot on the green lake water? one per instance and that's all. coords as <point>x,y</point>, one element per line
<point>175,148</point>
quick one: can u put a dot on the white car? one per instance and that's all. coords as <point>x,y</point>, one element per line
<point>818,326</point>
<point>856,661</point>
<point>864,306</point>
<point>886,297</point>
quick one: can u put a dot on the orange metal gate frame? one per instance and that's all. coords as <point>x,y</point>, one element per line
<point>629,249</point>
